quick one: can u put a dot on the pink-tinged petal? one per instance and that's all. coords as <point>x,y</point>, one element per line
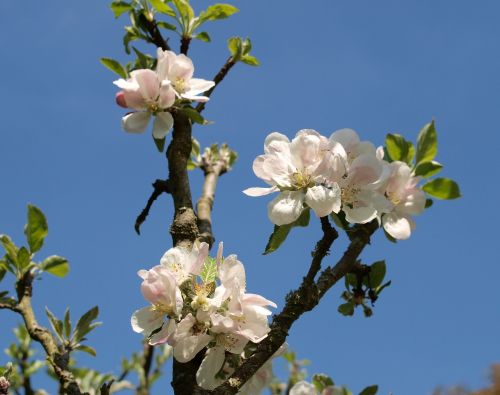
<point>256,191</point>
<point>219,253</point>
<point>230,270</point>
<point>303,388</point>
<point>221,324</point>
<point>414,203</point>
<point>167,96</point>
<point>136,122</point>
<point>286,207</point>
<point>164,334</point>
<point>347,137</point>
<point>181,68</point>
<point>305,149</point>
<point>279,169</point>
<point>149,86</point>
<point>199,99</point>
<point>120,99</point>
<point>162,65</point>
<point>162,124</point>
<point>359,215</point>
<point>364,148</point>
<point>276,142</point>
<point>134,99</point>
<point>200,260</point>
<point>258,169</point>
<point>198,85</point>
<point>185,349</point>
<point>210,366</point>
<point>380,153</point>
<point>324,200</point>
<point>146,320</point>
<point>142,274</point>
<point>397,226</point>
<point>366,170</point>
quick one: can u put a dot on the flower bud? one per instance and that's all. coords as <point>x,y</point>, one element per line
<point>120,99</point>
<point>4,386</point>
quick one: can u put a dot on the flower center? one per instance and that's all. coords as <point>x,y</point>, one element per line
<point>349,194</point>
<point>163,309</point>
<point>226,340</point>
<point>301,180</point>
<point>394,198</point>
<point>180,85</point>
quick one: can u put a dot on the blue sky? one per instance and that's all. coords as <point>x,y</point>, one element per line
<point>377,67</point>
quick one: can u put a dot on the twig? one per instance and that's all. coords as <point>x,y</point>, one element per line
<point>160,186</point>
<point>217,79</point>
<point>304,299</point>
<point>147,361</point>
<point>154,33</point>
<point>185,41</point>
<point>206,201</point>
<point>59,361</point>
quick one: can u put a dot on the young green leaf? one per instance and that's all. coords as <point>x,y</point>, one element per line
<point>376,275</point>
<point>215,12</point>
<point>87,349</point>
<point>10,248</point>
<point>194,115</point>
<point>209,270</point>
<point>371,390</point>
<point>427,143</point>
<point>120,7</point>
<point>203,36</point>
<point>55,265</point>
<point>280,233</point>
<point>429,203</point>
<point>428,169</point>
<point>85,325</point>
<point>56,324</point>
<point>185,11</point>
<point>442,188</point>
<point>34,367</point>
<point>3,270</point>
<point>346,309</point>
<point>250,60</point>
<point>162,7</point>
<point>399,149</point>
<point>234,45</point>
<point>160,144</point>
<point>321,381</point>
<point>23,259</point>
<point>36,229</point>
<point>67,324</point>
<point>115,66</point>
<point>166,25</point>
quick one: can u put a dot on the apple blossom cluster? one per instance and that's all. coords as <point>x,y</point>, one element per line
<point>199,302</point>
<point>153,92</point>
<point>341,175</point>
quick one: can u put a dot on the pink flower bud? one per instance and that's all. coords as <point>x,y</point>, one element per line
<point>120,99</point>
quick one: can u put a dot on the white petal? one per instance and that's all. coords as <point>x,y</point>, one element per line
<point>324,200</point>
<point>397,226</point>
<point>136,122</point>
<point>186,348</point>
<point>347,137</point>
<point>303,388</point>
<point>257,191</point>
<point>286,207</point>
<point>162,336</point>
<point>276,142</point>
<point>230,270</point>
<point>198,85</point>
<point>162,124</point>
<point>359,215</point>
<point>149,86</point>
<point>210,366</point>
<point>146,320</point>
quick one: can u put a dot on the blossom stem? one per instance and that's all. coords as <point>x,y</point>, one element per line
<point>155,35</point>
<point>185,41</point>
<point>160,186</point>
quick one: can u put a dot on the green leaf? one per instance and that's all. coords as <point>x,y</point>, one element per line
<point>377,274</point>
<point>84,324</point>
<point>37,229</point>
<point>166,25</point>
<point>427,143</point>
<point>280,233</point>
<point>160,143</point>
<point>234,45</point>
<point>114,66</point>
<point>428,169</point>
<point>87,349</point>
<point>194,115</point>
<point>346,309</point>
<point>191,165</point>
<point>144,61</point>
<point>9,247</point>
<point>215,12</point>
<point>185,10</point>
<point>250,60</point>
<point>162,7</point>
<point>382,287</point>
<point>23,259</point>
<point>399,149</point>
<point>120,7</point>
<point>67,324</point>
<point>429,203</point>
<point>55,265</point>
<point>3,270</point>
<point>56,324</point>
<point>209,270</point>
<point>371,390</point>
<point>195,147</point>
<point>442,188</point>
<point>203,36</point>
<point>321,381</point>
